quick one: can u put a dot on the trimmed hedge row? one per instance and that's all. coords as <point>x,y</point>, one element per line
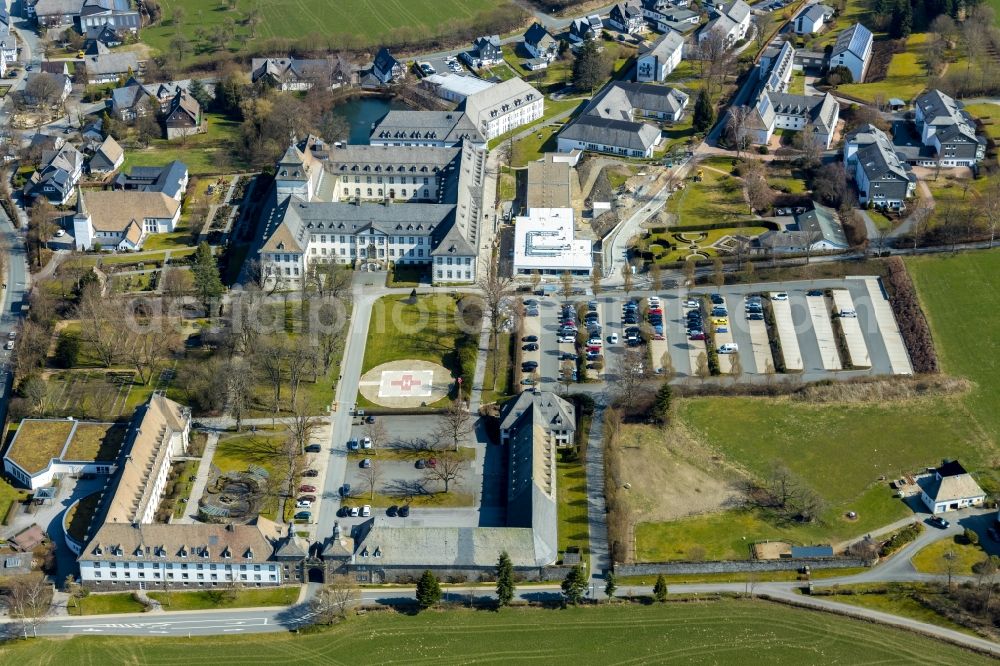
<point>910,318</point>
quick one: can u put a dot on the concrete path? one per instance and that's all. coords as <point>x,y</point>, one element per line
<point>597,511</point>
<point>476,395</point>
<point>200,481</point>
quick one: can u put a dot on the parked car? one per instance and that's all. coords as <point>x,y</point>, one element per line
<point>531,346</point>
<point>366,442</point>
<point>303,515</point>
<point>814,292</point>
<point>692,303</point>
<point>939,522</point>
<point>392,511</point>
<point>353,445</point>
<point>9,345</point>
<point>780,296</point>
<point>369,419</point>
<point>729,348</point>
<point>696,335</point>
<point>310,473</point>
<point>432,462</point>
<point>314,448</point>
<point>530,338</point>
<point>404,511</point>
<point>849,314</point>
<point>343,512</point>
<point>366,510</point>
<point>717,299</point>
<point>366,463</point>
<point>421,463</point>
<point>303,504</point>
<point>12,335</point>
<point>306,488</point>
<point>355,511</point>
<point>613,338</point>
<point>345,490</point>
<point>755,316</point>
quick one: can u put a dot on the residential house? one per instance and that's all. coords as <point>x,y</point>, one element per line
<point>375,204</point>
<point>8,39</point>
<point>51,13</point>
<point>947,130</point>
<point>540,44</point>
<point>184,117</point>
<point>437,129</point>
<point>386,68</point>
<point>59,172</point>
<point>454,87</point>
<point>299,74</point>
<point>853,50</point>
<point>122,219</point>
<point>677,19</point>
<point>104,34</point>
<point>811,19</point>
<point>774,109</point>
<point>616,120</point>
<point>585,29</point>
<point>881,176</point>
<point>129,102</point>
<point>816,230</point>
<point>626,17</point>
<point>661,59</point>
<point>503,107</point>
<point>731,20</point>
<point>171,180</point>
<point>485,52</point>
<point>110,67</point>
<point>107,158</point>
<point>950,488</point>
<point>57,86</point>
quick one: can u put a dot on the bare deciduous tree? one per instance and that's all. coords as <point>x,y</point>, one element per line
<point>334,598</point>
<point>738,128</point>
<point>701,368</point>
<point>495,290</point>
<point>378,435</point>
<point>371,475</point>
<point>447,469</point>
<point>30,597</point>
<point>455,424</point>
<point>630,375</point>
<point>100,324</point>
<point>239,388</point>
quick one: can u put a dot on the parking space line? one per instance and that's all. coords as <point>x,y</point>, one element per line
<point>677,332</point>
<point>899,359</point>
<point>786,333</point>
<point>754,345</point>
<point>855,339</point>
<point>820,316</point>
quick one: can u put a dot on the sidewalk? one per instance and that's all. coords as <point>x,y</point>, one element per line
<point>200,481</point>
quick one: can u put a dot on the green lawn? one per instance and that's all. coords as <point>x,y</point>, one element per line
<point>931,559</point>
<point>898,599</point>
<point>950,288</point>
<point>496,388</point>
<point>208,153</point>
<point>553,108</point>
<point>212,599</point>
<point>717,198</point>
<point>571,495</point>
<point>8,495</point>
<point>989,114</point>
<point>682,249</point>
<point>327,22</point>
<point>103,604</point>
<point>430,330</point>
<point>721,631</point>
<point>906,77</point>
<point>797,85</point>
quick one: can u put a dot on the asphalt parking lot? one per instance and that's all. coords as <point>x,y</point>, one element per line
<point>805,326</point>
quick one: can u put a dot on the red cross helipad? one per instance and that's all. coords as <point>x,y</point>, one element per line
<point>406,383</point>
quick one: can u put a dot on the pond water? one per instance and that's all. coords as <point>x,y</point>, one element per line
<point>361,112</point>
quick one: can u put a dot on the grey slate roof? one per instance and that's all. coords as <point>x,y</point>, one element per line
<point>448,126</point>
<point>539,36</point>
<point>498,99</point>
<point>410,160</point>
<point>853,40</point>
<point>545,407</point>
<point>823,221</point>
<point>952,123</point>
<point>112,63</point>
<point>167,179</point>
<point>608,132</point>
<point>814,12</point>
<point>607,119</point>
<point>666,45</point>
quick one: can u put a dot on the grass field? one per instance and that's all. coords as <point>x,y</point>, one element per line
<point>717,198</point>
<point>430,330</point>
<point>707,632</point>
<point>208,153</point>
<point>931,559</point>
<point>571,495</point>
<point>989,114</point>
<point>950,288</point>
<point>215,599</point>
<point>361,22</point>
<point>906,77</point>
<point>898,599</point>
<point>102,604</point>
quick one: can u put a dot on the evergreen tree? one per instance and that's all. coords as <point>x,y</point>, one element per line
<point>661,406</point>
<point>428,590</point>
<point>704,114</point>
<point>591,67</point>
<point>610,585</point>
<point>660,589</point>
<point>197,90</point>
<point>207,282</point>
<point>505,580</point>
<point>902,20</point>
<point>574,585</point>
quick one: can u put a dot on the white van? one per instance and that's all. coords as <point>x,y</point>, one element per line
<point>729,348</point>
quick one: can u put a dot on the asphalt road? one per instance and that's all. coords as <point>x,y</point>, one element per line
<point>16,281</point>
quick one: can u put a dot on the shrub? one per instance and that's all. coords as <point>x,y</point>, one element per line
<point>900,538</point>
<point>910,317</point>
<point>763,150</point>
<point>970,537</point>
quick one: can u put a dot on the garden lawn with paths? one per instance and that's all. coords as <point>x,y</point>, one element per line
<point>717,198</point>
<point>683,247</point>
<point>209,153</point>
<point>715,630</point>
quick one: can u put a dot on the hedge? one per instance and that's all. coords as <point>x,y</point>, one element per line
<point>910,317</point>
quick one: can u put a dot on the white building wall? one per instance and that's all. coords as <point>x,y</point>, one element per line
<point>181,572</point>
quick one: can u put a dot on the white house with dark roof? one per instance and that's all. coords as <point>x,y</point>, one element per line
<point>627,18</point>
<point>486,51</point>
<point>585,29</point>
<point>540,44</point>
<point>880,175</point>
<point>616,120</point>
<point>731,20</point>
<point>853,50</point>
<point>8,39</point>
<point>811,19</point>
<point>661,58</point>
<point>302,74</point>
<point>503,107</point>
<point>386,68</point>
<point>435,129</point>
<point>948,131</point>
<point>58,173</point>
<point>110,67</point>
<point>950,488</point>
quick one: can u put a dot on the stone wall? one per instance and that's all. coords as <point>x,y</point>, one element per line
<point>451,574</point>
<point>736,566</point>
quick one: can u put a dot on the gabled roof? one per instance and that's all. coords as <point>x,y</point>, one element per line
<point>384,61</point>
<point>854,40</point>
<point>822,221</point>
<point>110,149</point>
<point>666,45</point>
<point>447,126</point>
<point>544,407</point>
<point>498,100</point>
<point>737,10</point>
<point>952,123</point>
<point>112,210</point>
<point>112,63</point>
<point>537,34</point>
<point>814,13</point>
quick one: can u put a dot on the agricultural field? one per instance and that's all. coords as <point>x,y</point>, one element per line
<point>358,22</point>
<point>715,631</point>
<point>906,77</point>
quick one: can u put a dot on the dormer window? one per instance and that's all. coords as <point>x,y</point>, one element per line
<point>183,552</point>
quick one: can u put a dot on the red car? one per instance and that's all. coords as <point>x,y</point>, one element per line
<point>307,489</point>
<point>655,311</point>
<point>697,336</point>
<point>432,462</point>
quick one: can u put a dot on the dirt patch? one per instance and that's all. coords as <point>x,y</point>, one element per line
<point>672,475</point>
<point>771,550</point>
<point>881,391</point>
